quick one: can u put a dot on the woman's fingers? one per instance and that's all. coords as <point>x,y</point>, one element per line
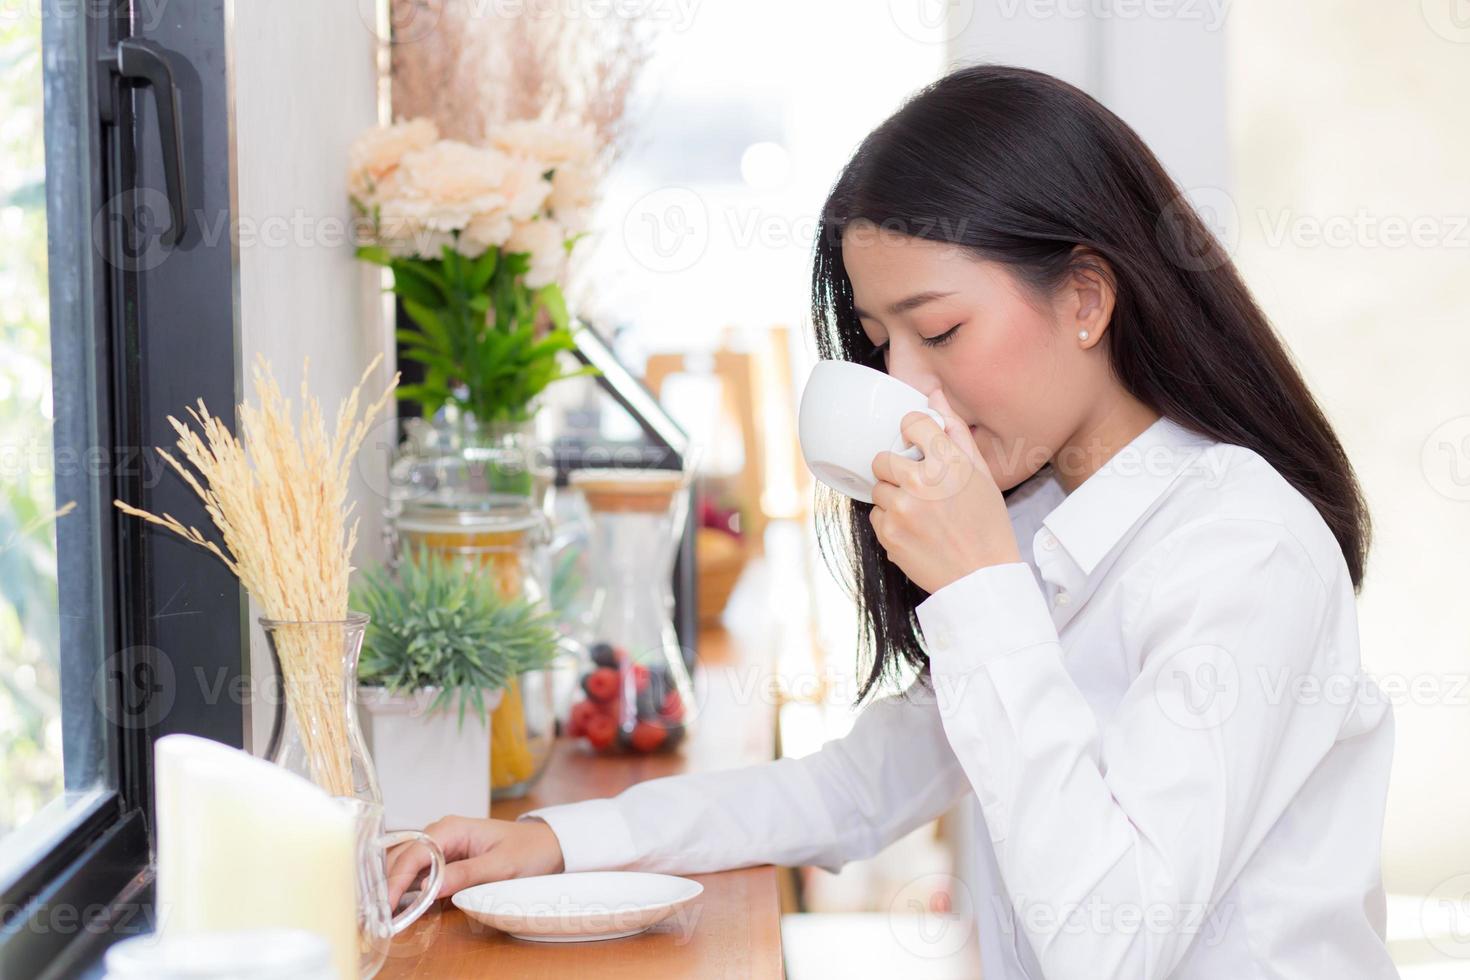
<point>889,467</point>
<point>921,430</point>
<point>493,865</point>
<point>406,866</point>
<point>885,495</point>
<point>457,837</point>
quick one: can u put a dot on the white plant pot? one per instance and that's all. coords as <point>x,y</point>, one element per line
<point>429,765</point>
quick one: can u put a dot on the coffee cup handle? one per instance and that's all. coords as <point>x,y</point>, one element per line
<point>430,891</point>
<point>914,452</point>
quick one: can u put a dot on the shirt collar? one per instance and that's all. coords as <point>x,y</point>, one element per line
<point>1099,514</point>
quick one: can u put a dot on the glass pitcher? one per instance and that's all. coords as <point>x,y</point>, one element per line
<point>376,923</point>
<point>636,693</point>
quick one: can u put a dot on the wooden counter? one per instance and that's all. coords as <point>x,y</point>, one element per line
<point>736,921</point>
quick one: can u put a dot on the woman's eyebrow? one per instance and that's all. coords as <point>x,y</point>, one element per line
<point>907,303</point>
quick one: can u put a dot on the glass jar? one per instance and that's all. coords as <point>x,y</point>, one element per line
<point>502,535</point>
<point>523,730</point>
<point>505,537</point>
<point>455,463</point>
<point>635,690</point>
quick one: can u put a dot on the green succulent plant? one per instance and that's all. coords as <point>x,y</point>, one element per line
<point>439,624</point>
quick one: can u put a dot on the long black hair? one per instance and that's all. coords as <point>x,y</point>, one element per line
<point>1023,169</point>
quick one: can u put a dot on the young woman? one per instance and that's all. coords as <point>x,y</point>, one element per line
<point>1125,571</point>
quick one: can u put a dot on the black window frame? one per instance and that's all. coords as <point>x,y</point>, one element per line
<point>154,631</point>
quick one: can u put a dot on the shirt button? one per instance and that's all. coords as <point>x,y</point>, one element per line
<point>1062,598</point>
<point>944,639</point>
<point>1048,542</point>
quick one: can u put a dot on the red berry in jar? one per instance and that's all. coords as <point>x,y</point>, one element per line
<point>602,684</point>
<point>582,713</point>
<point>647,736</point>
<point>601,730</point>
<point>672,707</point>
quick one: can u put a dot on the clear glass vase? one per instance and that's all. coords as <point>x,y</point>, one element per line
<point>316,732</point>
<point>506,452</point>
<point>457,461</point>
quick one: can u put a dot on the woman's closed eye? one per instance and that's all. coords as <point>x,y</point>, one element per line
<point>940,340</point>
<point>878,357</point>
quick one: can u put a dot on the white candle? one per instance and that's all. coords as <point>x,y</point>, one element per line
<point>244,844</point>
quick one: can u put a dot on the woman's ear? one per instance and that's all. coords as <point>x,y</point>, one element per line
<point>1089,297</point>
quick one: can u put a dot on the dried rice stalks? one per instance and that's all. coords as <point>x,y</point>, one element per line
<point>278,497</point>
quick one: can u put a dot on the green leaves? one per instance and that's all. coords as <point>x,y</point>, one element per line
<point>376,254</point>
<point>482,269</point>
<point>441,624</point>
<point>476,331</point>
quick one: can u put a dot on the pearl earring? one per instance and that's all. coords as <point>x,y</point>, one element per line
<point>1083,335</point>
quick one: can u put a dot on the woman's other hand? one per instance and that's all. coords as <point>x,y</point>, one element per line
<point>476,850</point>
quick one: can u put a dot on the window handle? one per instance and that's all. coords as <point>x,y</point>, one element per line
<point>144,61</point>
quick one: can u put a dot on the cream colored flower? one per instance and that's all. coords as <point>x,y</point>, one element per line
<point>375,155</point>
<point>488,230</point>
<point>573,193</point>
<point>427,192</point>
<point>550,143</point>
<point>525,188</point>
<point>545,239</point>
<point>401,229</point>
<point>447,184</point>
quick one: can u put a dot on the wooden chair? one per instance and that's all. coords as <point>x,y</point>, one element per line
<point>757,394</point>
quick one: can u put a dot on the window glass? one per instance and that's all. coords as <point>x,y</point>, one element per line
<point>30,677</point>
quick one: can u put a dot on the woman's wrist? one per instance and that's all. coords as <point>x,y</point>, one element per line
<point>548,842</point>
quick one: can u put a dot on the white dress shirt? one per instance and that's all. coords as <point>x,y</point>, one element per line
<point>1179,763</point>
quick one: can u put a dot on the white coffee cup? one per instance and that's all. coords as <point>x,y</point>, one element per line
<point>849,414</point>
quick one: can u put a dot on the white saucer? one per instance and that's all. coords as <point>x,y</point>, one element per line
<point>577,907</point>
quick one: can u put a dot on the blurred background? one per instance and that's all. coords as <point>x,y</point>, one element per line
<point>1325,144</point>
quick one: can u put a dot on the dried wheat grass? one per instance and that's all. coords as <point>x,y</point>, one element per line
<point>278,497</point>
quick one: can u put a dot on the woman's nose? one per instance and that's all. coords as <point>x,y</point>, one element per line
<point>907,365</point>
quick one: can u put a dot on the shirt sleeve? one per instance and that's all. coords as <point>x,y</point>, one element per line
<point>891,773</point>
<point>1114,840</point>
